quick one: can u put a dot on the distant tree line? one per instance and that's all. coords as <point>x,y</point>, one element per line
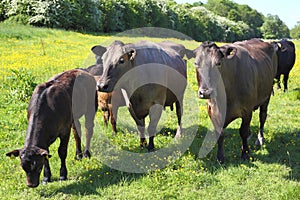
<point>295,32</point>
<point>217,20</point>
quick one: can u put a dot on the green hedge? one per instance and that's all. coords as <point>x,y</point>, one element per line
<point>120,15</point>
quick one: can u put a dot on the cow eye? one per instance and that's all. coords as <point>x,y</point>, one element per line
<point>121,61</point>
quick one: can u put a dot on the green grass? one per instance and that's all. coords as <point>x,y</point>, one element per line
<point>272,173</point>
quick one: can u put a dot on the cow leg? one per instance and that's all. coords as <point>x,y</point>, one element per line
<point>89,130</point>
<point>244,133</point>
<point>154,113</point>
<point>47,172</point>
<point>216,118</point>
<point>220,154</point>
<point>105,117</point>
<point>62,152</point>
<point>263,109</point>
<point>285,81</point>
<point>112,119</point>
<point>141,129</point>
<point>179,112</point>
<point>77,135</point>
<point>278,81</point>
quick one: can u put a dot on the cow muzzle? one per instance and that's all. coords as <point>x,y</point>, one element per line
<point>206,93</point>
<point>32,183</point>
<point>102,87</point>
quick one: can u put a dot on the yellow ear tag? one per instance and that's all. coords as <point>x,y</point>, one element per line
<point>47,157</point>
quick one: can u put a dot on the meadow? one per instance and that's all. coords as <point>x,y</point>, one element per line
<point>32,55</point>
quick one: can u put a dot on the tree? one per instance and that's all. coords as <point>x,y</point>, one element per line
<point>295,32</point>
<point>253,18</point>
<point>234,16</point>
<point>274,28</point>
<point>220,7</point>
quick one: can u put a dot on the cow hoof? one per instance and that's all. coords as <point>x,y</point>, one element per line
<point>143,143</point>
<point>78,156</point>
<point>62,178</point>
<point>245,155</point>
<point>259,141</point>
<point>87,154</point>
<point>46,180</point>
<point>177,136</point>
<point>221,159</point>
<point>150,149</point>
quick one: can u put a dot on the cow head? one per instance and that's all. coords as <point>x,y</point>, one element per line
<point>32,161</point>
<point>208,61</point>
<point>117,60</point>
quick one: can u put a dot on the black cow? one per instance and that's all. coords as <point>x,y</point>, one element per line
<point>55,107</point>
<point>286,60</point>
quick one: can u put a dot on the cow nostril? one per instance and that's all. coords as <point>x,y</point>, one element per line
<point>204,93</point>
<point>201,93</point>
<point>104,86</point>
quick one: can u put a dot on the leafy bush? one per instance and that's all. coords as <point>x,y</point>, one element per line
<point>68,14</point>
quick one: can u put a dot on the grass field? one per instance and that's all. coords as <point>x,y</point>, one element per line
<point>32,55</point>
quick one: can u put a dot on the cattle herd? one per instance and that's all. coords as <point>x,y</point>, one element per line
<point>147,77</point>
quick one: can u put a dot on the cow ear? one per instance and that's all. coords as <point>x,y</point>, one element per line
<point>189,54</point>
<point>228,52</point>
<point>131,54</point>
<point>44,153</point>
<point>98,50</point>
<point>13,154</point>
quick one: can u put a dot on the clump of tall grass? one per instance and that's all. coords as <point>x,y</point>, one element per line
<point>19,85</point>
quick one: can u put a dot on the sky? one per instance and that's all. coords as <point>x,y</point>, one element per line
<point>287,10</point>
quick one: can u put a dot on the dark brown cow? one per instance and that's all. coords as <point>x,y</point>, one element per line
<point>151,70</point>
<point>245,70</point>
<point>104,99</point>
<point>55,107</point>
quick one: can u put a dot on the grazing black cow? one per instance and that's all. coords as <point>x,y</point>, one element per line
<point>286,60</point>
<point>55,107</point>
<point>246,70</point>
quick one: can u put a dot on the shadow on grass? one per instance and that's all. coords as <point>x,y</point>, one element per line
<point>281,148</point>
<point>93,181</point>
